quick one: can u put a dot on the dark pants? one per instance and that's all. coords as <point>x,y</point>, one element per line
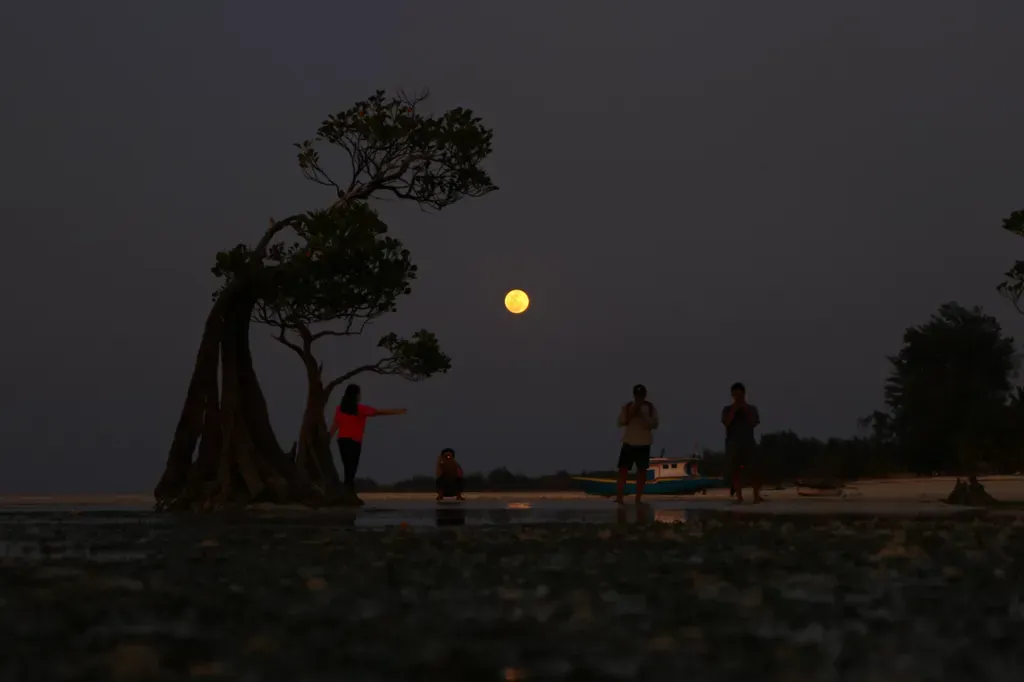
<point>638,456</point>
<point>741,465</point>
<point>350,450</point>
<point>449,486</point>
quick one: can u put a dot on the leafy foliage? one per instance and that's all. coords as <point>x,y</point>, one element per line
<point>948,390</point>
<point>1012,286</point>
<point>346,269</point>
<point>786,457</point>
<point>417,358</point>
<point>337,268</point>
<point>880,425</point>
<point>393,147</point>
<point>414,359</point>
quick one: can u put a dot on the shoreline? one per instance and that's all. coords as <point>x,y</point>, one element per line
<point>1003,488</point>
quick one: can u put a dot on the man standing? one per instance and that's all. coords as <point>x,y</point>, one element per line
<point>740,420</point>
<point>639,418</point>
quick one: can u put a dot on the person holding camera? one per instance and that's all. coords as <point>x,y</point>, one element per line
<point>740,419</point>
<point>639,418</point>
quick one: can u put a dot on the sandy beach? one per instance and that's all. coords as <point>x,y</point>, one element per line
<point>882,496</point>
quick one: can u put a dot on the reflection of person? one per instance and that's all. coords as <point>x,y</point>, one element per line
<point>450,516</point>
<point>639,418</point>
<point>350,424</point>
<point>643,515</point>
<point>449,476</point>
<point>740,419</point>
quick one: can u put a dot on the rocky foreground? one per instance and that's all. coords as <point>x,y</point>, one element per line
<point>152,598</point>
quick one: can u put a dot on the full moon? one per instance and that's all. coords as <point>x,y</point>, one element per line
<point>517,301</point>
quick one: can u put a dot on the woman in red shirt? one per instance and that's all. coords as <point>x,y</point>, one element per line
<point>349,424</point>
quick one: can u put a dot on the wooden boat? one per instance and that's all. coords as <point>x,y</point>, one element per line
<point>666,476</point>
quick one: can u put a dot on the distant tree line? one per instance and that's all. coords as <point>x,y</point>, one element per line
<point>498,480</point>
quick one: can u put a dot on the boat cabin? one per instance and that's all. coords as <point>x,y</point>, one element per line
<point>662,468</point>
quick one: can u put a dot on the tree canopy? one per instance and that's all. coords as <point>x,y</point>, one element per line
<point>393,149</point>
<point>352,273</point>
<point>341,270</point>
<point>948,391</point>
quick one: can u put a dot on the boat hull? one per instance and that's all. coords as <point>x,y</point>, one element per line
<point>606,487</point>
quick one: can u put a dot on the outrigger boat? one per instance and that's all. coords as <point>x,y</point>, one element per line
<point>665,476</point>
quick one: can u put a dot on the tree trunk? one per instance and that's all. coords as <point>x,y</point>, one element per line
<point>195,423</point>
<point>313,458</point>
<point>239,459</point>
<point>240,454</point>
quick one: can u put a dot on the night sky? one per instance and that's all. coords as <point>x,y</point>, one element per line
<point>691,193</point>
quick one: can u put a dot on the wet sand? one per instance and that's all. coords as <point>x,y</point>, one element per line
<point>885,498</point>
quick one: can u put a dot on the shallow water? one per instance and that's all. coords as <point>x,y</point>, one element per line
<point>524,587</point>
<point>388,511</point>
<point>40,530</point>
<point>681,593</point>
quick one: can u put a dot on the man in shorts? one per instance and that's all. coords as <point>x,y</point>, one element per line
<point>740,419</point>
<point>639,419</point>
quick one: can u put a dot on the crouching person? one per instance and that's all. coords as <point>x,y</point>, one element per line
<point>449,476</point>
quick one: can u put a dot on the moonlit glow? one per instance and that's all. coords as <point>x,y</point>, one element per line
<point>517,301</point>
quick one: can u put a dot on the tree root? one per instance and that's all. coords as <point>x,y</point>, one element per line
<point>239,460</point>
<point>970,493</point>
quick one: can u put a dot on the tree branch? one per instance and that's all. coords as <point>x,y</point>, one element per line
<point>283,339</point>
<point>317,174</point>
<point>331,332</point>
<point>275,228</point>
<point>307,338</point>
<point>1011,290</point>
<point>348,331</point>
<point>333,384</point>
